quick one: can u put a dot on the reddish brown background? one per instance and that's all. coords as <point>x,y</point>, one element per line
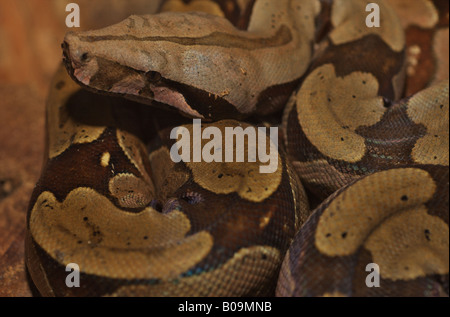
<point>31,32</point>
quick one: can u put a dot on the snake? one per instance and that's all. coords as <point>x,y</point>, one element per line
<point>361,173</point>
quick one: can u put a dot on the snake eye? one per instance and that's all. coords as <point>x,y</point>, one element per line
<point>85,57</point>
<point>153,76</point>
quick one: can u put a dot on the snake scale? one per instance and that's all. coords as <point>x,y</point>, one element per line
<point>362,164</point>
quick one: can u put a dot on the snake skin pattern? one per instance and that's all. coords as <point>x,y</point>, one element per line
<point>362,164</point>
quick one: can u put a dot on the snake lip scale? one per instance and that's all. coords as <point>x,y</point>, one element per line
<point>362,169</point>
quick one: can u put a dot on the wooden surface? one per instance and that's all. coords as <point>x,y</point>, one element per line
<point>31,32</point>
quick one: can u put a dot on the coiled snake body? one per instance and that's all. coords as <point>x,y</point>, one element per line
<point>370,154</point>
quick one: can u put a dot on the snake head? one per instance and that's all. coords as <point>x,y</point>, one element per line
<point>151,60</point>
<point>95,63</point>
<point>197,63</point>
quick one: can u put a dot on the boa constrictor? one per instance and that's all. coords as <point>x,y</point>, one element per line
<point>372,159</point>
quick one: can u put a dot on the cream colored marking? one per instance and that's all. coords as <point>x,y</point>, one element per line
<point>104,160</point>
<point>440,49</point>
<point>228,177</point>
<point>114,243</point>
<point>133,148</point>
<point>349,19</point>
<point>234,278</point>
<point>63,130</point>
<point>264,221</point>
<point>430,108</point>
<point>167,179</point>
<point>329,103</point>
<point>158,159</point>
<point>421,245</point>
<point>350,218</point>
<point>412,59</point>
<point>418,12</point>
<point>224,93</point>
<point>131,191</point>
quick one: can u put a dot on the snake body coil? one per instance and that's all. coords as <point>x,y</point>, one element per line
<point>368,153</point>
